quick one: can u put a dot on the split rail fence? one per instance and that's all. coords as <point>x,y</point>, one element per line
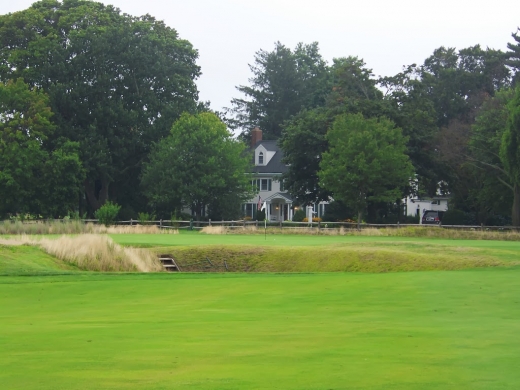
<point>240,224</point>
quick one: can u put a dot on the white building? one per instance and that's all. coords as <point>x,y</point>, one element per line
<point>417,206</point>
<point>267,170</point>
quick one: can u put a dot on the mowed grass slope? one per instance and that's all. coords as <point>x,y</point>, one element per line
<point>426,330</point>
<point>299,253</point>
<point>16,260</point>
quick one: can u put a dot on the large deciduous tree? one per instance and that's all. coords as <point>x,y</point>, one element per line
<point>36,176</point>
<point>490,191</point>
<point>116,83</point>
<point>352,90</point>
<point>199,164</point>
<point>513,55</point>
<point>510,153</point>
<point>284,82</point>
<point>303,142</point>
<point>366,162</point>
<point>432,103</point>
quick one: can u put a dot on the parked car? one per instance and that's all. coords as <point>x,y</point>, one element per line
<point>431,217</point>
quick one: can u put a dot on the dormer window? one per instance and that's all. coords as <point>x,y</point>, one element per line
<point>261,158</point>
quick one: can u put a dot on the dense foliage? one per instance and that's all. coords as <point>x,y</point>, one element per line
<point>366,162</point>
<point>37,174</point>
<point>87,91</point>
<point>436,104</point>
<point>115,84</point>
<point>199,164</point>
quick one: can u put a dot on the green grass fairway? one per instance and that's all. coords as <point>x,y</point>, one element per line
<point>414,330</point>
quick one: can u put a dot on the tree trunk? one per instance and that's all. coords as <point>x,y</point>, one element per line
<point>94,200</point>
<point>515,215</point>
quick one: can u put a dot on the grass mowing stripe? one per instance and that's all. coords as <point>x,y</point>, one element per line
<point>430,330</point>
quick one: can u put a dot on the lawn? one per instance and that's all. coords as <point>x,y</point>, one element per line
<point>427,330</point>
<point>396,330</point>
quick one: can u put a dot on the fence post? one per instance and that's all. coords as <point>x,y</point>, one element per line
<point>319,226</point>
<point>131,221</point>
<point>209,222</point>
<point>160,224</point>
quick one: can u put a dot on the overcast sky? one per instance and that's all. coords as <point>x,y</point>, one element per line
<point>387,34</point>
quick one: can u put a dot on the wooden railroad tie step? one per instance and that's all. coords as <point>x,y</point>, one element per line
<point>169,263</point>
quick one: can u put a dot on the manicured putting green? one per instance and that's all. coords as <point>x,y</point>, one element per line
<point>415,330</point>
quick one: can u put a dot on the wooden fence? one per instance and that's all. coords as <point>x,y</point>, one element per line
<point>197,225</point>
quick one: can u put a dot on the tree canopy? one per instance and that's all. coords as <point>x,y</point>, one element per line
<point>199,164</point>
<point>284,82</point>
<point>115,83</point>
<point>366,162</point>
<point>352,89</point>
<point>36,176</point>
<point>510,152</point>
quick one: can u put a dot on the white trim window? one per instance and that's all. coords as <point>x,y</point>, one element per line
<point>261,158</point>
<point>262,184</point>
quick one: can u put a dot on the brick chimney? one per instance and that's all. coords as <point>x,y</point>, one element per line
<point>256,135</point>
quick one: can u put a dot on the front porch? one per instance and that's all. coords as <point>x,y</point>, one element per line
<point>279,208</point>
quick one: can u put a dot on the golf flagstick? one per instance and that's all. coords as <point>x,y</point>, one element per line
<point>264,206</point>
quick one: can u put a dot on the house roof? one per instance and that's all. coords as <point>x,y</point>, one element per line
<point>270,145</point>
<point>278,195</point>
<point>275,165</point>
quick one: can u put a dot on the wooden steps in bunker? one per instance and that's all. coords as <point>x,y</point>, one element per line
<point>169,264</point>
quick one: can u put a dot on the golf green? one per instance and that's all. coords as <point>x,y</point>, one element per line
<point>413,330</point>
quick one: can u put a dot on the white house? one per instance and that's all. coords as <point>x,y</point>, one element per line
<point>267,170</point>
<point>417,206</point>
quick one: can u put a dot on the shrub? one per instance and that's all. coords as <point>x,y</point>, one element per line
<point>107,213</point>
<point>314,219</point>
<point>145,218</point>
<point>260,215</point>
<point>337,211</point>
<point>453,217</point>
<point>299,216</point>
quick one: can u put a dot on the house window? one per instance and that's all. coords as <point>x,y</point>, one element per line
<point>262,184</point>
<point>265,184</point>
<point>261,158</point>
<point>282,185</point>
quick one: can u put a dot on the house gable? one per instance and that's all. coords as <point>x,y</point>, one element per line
<point>263,156</point>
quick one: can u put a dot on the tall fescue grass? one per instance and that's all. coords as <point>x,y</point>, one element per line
<point>407,231</point>
<point>76,227</point>
<point>93,252</point>
<point>223,230</point>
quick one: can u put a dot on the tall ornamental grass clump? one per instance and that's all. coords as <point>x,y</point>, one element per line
<point>93,252</point>
<point>75,227</point>
<point>45,227</point>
